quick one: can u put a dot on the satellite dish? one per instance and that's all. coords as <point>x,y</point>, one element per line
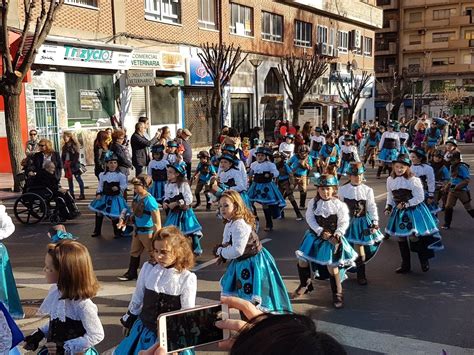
<point>354,64</point>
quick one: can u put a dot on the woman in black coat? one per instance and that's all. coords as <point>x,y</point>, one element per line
<point>120,150</point>
<point>46,153</point>
<point>101,146</point>
<point>72,166</point>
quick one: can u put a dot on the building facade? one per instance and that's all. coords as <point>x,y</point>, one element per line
<point>123,59</point>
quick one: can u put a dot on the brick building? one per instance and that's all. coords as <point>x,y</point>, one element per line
<point>139,57</point>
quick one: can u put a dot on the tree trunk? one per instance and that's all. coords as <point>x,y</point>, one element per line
<point>296,113</point>
<point>216,108</point>
<point>13,128</point>
<point>350,116</point>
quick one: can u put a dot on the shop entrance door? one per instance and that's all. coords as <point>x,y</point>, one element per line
<point>46,116</point>
<point>241,115</point>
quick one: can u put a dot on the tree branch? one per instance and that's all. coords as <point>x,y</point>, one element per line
<point>28,9</point>
<point>7,59</point>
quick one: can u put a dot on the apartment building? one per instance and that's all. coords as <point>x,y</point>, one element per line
<point>434,42</point>
<point>127,58</point>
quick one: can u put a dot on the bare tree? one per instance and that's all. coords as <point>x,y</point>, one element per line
<point>398,88</point>
<point>221,62</point>
<point>16,67</point>
<point>299,76</point>
<point>350,90</point>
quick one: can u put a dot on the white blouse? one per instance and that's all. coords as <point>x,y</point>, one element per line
<point>350,149</point>
<point>172,189</point>
<point>238,232</point>
<point>425,170</point>
<point>264,167</point>
<point>325,209</point>
<point>81,310</point>
<point>287,147</point>
<point>413,184</point>
<point>168,281</point>
<point>235,174</point>
<point>359,193</point>
<point>6,224</point>
<point>317,139</point>
<point>404,135</point>
<point>393,135</point>
<point>110,176</point>
<point>157,164</point>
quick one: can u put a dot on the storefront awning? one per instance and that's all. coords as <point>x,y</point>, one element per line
<point>176,80</point>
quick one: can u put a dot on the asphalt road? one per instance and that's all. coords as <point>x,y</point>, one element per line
<point>398,314</point>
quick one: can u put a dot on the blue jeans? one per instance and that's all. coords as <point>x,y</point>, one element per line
<point>79,181</point>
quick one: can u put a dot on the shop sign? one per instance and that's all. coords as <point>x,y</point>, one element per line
<point>168,61</point>
<point>141,78</point>
<point>90,100</point>
<point>71,56</point>
<point>198,75</point>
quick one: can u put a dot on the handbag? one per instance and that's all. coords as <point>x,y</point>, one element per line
<point>82,168</point>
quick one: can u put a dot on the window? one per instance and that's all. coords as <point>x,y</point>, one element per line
<point>322,34</point>
<point>164,104</point>
<point>272,27</point>
<point>241,20</point>
<point>436,62</point>
<point>468,84</point>
<point>443,14</point>
<point>436,85</point>
<point>342,41</point>
<point>414,39</point>
<point>443,36</point>
<point>272,82</point>
<point>418,87</point>
<point>85,3</point>
<point>415,17</point>
<point>368,46</point>
<point>303,34</point>
<point>163,10</point>
<point>468,58</point>
<point>469,34</point>
<point>207,14</point>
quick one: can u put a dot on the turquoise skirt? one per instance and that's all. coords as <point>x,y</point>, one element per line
<point>157,190</point>
<point>266,194</point>
<point>388,155</point>
<point>185,220</point>
<point>8,291</point>
<point>110,206</point>
<point>257,279</point>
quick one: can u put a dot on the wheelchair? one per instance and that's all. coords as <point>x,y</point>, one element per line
<point>38,204</point>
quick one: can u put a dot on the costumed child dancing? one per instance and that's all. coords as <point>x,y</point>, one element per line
<point>164,285</point>
<point>409,218</point>
<point>8,291</point>
<point>316,142</point>
<point>205,171</point>
<point>177,203</point>
<point>371,144</point>
<point>363,233</point>
<point>109,199</point>
<point>389,148</point>
<point>146,219</point>
<point>157,171</point>
<point>301,165</point>
<point>263,190</point>
<point>425,173</point>
<point>286,183</point>
<point>404,136</point>
<point>287,147</point>
<point>74,326</point>
<point>349,154</point>
<point>251,273</point>
<point>172,154</point>
<point>330,153</point>
<point>324,244</point>
<point>442,177</point>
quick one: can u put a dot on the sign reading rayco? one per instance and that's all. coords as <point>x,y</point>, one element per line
<point>72,56</point>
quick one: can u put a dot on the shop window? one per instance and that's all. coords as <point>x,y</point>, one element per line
<point>303,34</point>
<point>164,105</point>
<point>342,41</point>
<point>272,82</point>
<point>90,98</point>
<point>207,14</point>
<point>414,17</point>
<point>163,10</point>
<point>272,27</point>
<point>443,36</point>
<point>468,84</point>
<point>436,86</point>
<point>84,3</point>
<point>241,20</point>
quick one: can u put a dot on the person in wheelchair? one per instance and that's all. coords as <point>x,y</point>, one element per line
<point>45,183</point>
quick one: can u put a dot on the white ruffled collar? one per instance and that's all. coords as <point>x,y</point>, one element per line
<point>326,208</point>
<point>53,305</point>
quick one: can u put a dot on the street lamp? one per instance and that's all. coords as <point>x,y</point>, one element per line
<point>256,63</point>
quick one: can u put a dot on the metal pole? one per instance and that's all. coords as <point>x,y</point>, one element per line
<point>414,103</point>
<point>256,98</point>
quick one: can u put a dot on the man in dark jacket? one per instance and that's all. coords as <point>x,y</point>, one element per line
<point>188,150</point>
<point>139,143</point>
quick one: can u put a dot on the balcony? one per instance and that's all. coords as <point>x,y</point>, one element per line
<point>460,20</point>
<point>451,69</point>
<point>426,3</point>
<point>390,49</point>
<point>389,26</point>
<point>385,72</point>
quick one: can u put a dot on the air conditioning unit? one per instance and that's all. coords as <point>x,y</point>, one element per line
<point>355,39</point>
<point>330,50</point>
<point>322,49</point>
<point>336,52</point>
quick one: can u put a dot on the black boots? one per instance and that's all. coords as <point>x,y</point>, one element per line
<point>425,264</point>
<point>379,171</point>
<point>405,254</point>
<point>198,200</point>
<point>361,279</point>
<point>299,216</point>
<point>448,217</point>
<point>305,286</point>
<point>471,212</point>
<point>268,219</point>
<point>303,200</point>
<point>132,272</point>
<point>337,297</point>
<point>99,218</point>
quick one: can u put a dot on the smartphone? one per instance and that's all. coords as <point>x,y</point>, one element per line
<point>192,327</point>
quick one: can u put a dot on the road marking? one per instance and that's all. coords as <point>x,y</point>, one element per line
<point>213,261</point>
<point>381,196</point>
<point>386,343</point>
